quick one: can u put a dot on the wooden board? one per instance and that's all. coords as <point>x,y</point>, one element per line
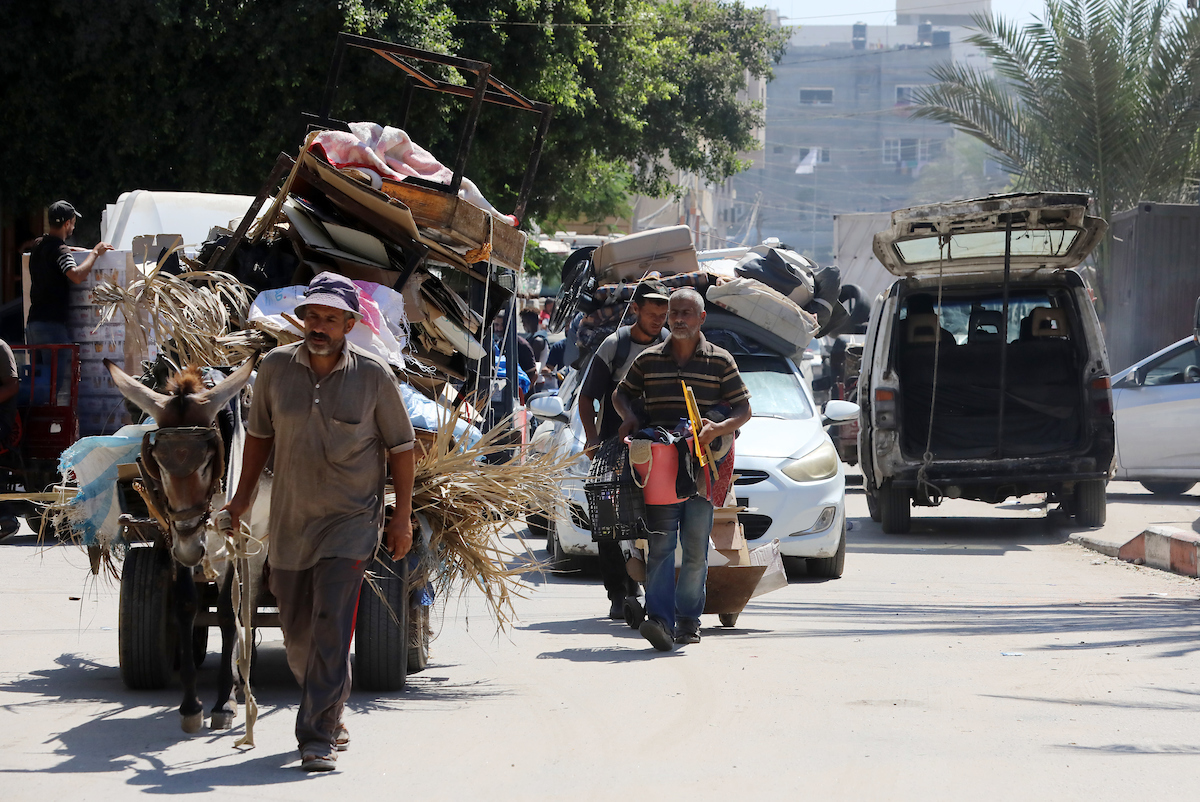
<point>455,221</point>
<point>730,586</point>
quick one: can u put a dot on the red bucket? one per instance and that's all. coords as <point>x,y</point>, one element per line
<point>658,475</point>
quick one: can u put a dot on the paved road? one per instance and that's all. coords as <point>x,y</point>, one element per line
<point>975,658</point>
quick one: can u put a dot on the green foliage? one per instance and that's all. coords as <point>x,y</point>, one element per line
<point>172,94</point>
<point>1100,96</point>
<point>201,96</point>
<point>545,264</point>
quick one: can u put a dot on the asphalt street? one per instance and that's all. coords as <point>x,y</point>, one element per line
<point>983,656</point>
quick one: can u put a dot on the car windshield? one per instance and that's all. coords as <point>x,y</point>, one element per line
<point>987,244</point>
<point>775,390</point>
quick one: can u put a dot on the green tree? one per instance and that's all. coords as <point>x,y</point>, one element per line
<point>1099,96</point>
<point>201,96</point>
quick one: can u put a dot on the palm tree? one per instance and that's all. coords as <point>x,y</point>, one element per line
<point>1101,96</point>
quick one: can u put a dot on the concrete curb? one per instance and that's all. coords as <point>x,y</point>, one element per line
<point>1166,548</point>
<point>1105,547</point>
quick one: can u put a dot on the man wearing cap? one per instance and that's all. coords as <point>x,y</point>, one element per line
<point>673,607</point>
<point>334,415</point>
<point>610,364</point>
<point>52,271</point>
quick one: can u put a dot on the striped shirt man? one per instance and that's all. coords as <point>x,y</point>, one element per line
<point>655,377</point>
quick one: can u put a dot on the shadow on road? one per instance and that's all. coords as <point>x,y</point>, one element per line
<point>958,535</point>
<point>1169,627</point>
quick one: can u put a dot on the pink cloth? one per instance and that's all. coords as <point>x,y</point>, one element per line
<point>390,153</point>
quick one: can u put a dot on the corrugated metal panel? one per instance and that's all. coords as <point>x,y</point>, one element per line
<point>1155,280</point>
<point>853,238</point>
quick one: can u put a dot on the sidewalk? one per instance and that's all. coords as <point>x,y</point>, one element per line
<point>1158,531</point>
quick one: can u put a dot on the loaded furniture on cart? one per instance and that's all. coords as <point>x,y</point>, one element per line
<point>453,262</point>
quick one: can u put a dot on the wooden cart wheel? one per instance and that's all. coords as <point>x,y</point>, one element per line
<point>145,635</point>
<point>728,619</point>
<point>381,634</point>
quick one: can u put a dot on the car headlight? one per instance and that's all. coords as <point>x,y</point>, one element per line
<point>820,463</point>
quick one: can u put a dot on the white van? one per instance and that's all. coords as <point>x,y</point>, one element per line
<point>985,374</point>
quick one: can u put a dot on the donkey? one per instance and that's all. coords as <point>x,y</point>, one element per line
<point>182,464</point>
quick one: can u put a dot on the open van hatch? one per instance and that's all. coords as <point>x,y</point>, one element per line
<point>1050,231</point>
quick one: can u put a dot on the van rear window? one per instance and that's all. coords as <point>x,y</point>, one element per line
<point>987,244</point>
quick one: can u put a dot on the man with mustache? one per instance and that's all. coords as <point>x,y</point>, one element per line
<point>335,417</point>
<point>673,607</point>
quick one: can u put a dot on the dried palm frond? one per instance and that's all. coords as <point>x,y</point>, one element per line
<point>468,501</point>
<point>186,315</point>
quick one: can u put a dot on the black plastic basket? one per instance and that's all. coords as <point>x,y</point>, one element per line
<point>615,502</point>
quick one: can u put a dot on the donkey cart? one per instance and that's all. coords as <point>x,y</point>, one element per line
<point>391,630</point>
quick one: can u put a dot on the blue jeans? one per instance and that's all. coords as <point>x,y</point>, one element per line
<point>677,604</point>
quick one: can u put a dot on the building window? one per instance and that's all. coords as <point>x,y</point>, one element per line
<point>904,94</point>
<point>816,97</point>
<point>912,150</point>
<point>821,156</point>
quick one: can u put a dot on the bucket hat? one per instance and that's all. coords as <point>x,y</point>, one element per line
<point>330,289</point>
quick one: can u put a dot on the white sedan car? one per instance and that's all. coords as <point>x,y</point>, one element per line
<point>787,471</point>
<point>1156,406</point>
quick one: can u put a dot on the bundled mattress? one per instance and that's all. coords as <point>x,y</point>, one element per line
<point>769,309</point>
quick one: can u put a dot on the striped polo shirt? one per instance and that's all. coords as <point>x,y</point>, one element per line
<point>655,377</point>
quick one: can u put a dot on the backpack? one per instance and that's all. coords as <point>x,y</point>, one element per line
<point>625,345</point>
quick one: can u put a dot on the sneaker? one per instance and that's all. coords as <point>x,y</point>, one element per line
<point>657,634</point>
<point>616,611</point>
<point>318,762</point>
<point>687,637</point>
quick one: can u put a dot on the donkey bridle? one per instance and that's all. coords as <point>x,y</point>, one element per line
<point>180,451</point>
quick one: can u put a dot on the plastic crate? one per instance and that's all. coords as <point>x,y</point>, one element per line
<point>615,503</point>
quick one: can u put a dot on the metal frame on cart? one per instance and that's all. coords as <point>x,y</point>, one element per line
<point>487,89</point>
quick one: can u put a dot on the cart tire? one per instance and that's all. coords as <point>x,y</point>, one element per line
<point>380,640</point>
<point>830,567</point>
<point>418,637</point>
<point>633,611</point>
<point>728,619</point>
<point>1091,503</point>
<point>895,510</point>
<point>145,632</point>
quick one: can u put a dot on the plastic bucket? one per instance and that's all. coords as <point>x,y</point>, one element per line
<point>658,475</point>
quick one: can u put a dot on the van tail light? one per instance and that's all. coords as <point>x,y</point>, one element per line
<point>1100,394</point>
<point>885,408</point>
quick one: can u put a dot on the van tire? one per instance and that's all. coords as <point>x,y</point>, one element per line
<point>1090,503</point>
<point>895,510</point>
<point>872,504</point>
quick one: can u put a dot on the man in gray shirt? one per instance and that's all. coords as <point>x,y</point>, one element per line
<point>608,367</point>
<point>335,417</point>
